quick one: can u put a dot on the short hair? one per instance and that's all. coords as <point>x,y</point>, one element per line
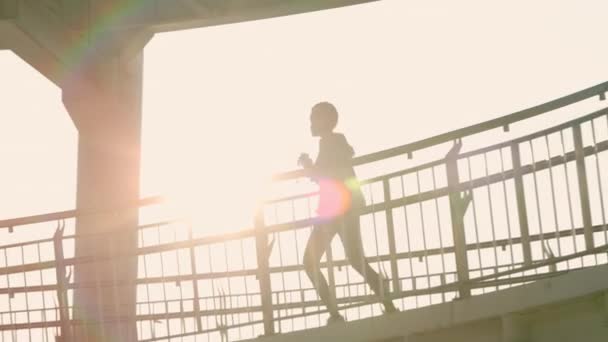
<point>328,111</point>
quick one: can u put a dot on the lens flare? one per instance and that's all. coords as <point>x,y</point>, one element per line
<point>335,198</point>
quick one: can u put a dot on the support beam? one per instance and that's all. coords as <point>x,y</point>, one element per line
<point>28,49</point>
<point>58,38</point>
<point>172,15</point>
<point>104,101</point>
<point>458,208</point>
<point>8,9</point>
<point>67,34</point>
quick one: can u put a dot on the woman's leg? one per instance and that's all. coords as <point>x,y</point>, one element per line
<point>350,234</point>
<point>318,243</point>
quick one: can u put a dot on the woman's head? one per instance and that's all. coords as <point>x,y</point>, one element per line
<point>323,119</point>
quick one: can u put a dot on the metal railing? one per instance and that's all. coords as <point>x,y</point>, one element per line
<point>469,223</point>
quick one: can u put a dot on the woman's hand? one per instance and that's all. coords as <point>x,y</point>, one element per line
<point>305,161</point>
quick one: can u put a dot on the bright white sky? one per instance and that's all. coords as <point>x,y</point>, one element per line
<point>225,107</point>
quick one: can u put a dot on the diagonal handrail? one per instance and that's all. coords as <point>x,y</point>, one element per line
<point>503,121</point>
<point>597,90</point>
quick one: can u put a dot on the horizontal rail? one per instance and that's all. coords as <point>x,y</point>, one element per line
<point>478,282</point>
<point>251,272</point>
<point>68,214</point>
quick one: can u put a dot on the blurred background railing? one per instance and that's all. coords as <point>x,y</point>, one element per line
<point>464,216</point>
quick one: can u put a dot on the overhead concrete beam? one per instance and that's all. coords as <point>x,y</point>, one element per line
<point>29,49</point>
<point>60,36</point>
<point>8,9</point>
<point>172,15</point>
<point>53,37</point>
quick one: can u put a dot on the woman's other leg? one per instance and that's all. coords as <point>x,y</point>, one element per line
<point>318,243</point>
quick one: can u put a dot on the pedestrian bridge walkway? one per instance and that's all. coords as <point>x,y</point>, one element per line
<point>570,307</point>
<point>494,230</point>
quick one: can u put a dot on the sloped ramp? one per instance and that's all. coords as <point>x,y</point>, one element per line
<point>571,307</point>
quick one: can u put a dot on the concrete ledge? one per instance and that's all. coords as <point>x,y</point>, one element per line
<point>577,284</point>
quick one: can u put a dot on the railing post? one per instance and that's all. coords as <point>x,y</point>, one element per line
<point>522,211</point>
<point>263,254</point>
<point>196,302</point>
<point>583,187</point>
<point>331,275</point>
<point>62,284</point>
<point>390,227</point>
<point>458,207</point>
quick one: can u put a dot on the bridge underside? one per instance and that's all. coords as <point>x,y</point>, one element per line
<point>572,307</point>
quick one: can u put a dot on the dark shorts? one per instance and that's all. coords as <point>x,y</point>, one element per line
<point>347,227</point>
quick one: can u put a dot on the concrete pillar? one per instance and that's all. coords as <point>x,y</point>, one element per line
<point>104,101</point>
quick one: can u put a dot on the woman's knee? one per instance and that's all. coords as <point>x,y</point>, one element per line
<point>310,263</point>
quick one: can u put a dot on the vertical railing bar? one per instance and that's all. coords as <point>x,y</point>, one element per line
<point>207,318</point>
<point>295,237</point>
<point>330,270</point>
<point>264,273</point>
<point>507,209</point>
<point>64,315</point>
<point>541,232</point>
<point>162,272</point>
<point>88,326</point>
<point>213,291</point>
<point>553,199</point>
<point>583,185</point>
<point>439,232</point>
<point>228,296</point>
<point>357,290</point>
<point>474,212</point>
<point>522,210</point>
<point>599,178</point>
<point>2,322</point>
<point>310,215</point>
<point>249,316</point>
<point>373,213</point>
<point>10,297</point>
<point>151,309</point>
<point>458,206</point>
<point>567,176</point>
<point>223,317</point>
<point>424,244</point>
<point>392,248</point>
<point>492,223</point>
<point>348,284</point>
<point>27,301</point>
<point>409,247</point>
<point>43,316</point>
<point>378,262</point>
<point>179,286</point>
<point>113,258</point>
<point>290,311</point>
<point>196,295</point>
<point>98,294</point>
